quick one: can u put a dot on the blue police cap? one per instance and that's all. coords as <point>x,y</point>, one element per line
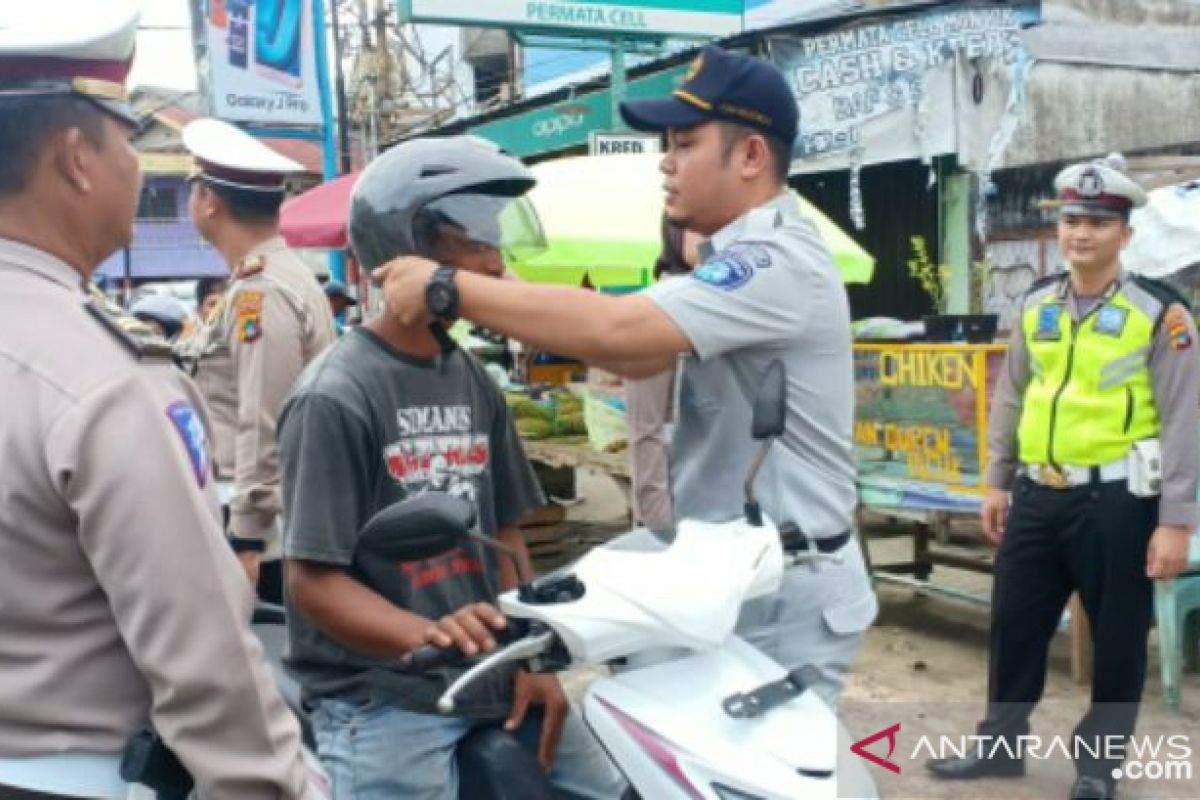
<point>338,289</point>
<point>722,86</point>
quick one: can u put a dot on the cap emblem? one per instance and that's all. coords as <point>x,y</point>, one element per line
<point>1090,183</point>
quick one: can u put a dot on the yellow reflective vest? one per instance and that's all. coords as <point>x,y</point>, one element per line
<point>1089,396</point>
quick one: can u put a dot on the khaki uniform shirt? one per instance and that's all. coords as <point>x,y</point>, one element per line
<point>273,321</point>
<point>120,602</point>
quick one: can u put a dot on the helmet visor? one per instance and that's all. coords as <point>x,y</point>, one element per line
<point>509,224</point>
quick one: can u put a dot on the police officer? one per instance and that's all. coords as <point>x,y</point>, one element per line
<point>340,301</point>
<point>121,601</point>
<point>273,321</point>
<point>766,289</point>
<point>1101,373</point>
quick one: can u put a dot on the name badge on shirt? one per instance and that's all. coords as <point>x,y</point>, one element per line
<point>1110,320</point>
<point>1048,328</point>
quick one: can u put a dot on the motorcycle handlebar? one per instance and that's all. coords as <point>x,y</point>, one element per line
<point>427,657</point>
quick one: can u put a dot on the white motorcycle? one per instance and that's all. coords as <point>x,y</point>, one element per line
<point>692,711</point>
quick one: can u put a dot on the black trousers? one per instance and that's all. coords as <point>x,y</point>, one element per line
<point>12,793</point>
<point>1089,539</point>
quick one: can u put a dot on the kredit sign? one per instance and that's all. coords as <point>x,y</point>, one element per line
<point>701,18</point>
<point>621,144</point>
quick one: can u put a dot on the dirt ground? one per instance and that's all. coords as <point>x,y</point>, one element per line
<point>924,665</point>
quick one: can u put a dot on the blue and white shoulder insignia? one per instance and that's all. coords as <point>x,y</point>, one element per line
<point>734,266</point>
<point>187,423</point>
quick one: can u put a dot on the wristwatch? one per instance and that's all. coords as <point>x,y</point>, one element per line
<point>242,545</point>
<point>441,294</point>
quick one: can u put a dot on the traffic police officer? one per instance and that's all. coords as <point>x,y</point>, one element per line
<point>121,601</point>
<point>1100,375</point>
<point>767,289</point>
<point>273,321</point>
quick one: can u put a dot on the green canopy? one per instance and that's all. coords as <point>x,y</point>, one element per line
<point>602,219</point>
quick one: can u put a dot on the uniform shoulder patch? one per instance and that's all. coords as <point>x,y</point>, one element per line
<point>1178,332</point>
<point>734,266</point>
<point>247,310</point>
<point>187,424</point>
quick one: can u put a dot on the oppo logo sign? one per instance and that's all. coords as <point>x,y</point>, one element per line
<point>557,125</point>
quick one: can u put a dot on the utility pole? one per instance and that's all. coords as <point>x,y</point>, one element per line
<point>340,84</point>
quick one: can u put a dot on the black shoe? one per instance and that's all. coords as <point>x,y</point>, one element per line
<point>974,766</point>
<point>1088,788</point>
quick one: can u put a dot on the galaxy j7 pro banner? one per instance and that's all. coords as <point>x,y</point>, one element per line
<point>261,60</point>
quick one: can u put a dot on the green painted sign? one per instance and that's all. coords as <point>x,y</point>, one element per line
<point>568,123</point>
<point>646,17</point>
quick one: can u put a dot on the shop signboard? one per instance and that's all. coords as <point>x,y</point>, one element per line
<point>921,412</point>
<point>620,144</point>
<point>884,89</point>
<point>261,61</point>
<point>654,18</point>
<point>569,123</point>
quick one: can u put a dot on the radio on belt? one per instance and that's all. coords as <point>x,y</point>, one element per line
<point>1145,468</point>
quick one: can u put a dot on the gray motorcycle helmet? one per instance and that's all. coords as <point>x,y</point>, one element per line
<point>405,192</point>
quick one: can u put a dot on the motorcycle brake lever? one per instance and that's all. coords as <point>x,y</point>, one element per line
<point>520,650</point>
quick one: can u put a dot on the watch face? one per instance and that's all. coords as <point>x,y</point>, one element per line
<point>439,298</point>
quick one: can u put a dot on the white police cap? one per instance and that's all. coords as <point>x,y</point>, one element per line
<point>229,156</point>
<point>1098,189</point>
<point>69,47</point>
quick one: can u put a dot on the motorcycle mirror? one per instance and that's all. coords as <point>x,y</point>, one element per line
<point>417,528</point>
<point>770,405</point>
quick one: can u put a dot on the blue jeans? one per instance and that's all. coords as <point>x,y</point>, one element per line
<point>376,751</point>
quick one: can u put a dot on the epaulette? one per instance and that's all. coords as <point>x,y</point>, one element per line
<point>251,265</point>
<point>133,334</point>
<point>101,315</point>
<point>1164,292</point>
<point>1047,280</point>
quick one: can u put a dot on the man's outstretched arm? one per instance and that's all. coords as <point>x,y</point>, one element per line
<point>618,331</point>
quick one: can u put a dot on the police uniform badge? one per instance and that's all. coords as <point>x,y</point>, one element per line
<point>1110,320</point>
<point>247,309</point>
<point>187,424</point>
<point>1178,335</point>
<point>1091,184</point>
<point>1048,329</point>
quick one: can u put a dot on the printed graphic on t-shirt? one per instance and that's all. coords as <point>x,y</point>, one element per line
<point>438,451</point>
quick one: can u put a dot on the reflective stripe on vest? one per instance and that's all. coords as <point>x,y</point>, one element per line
<point>1089,396</point>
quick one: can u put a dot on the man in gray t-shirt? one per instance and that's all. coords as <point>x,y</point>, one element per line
<point>767,289</point>
<point>367,426</point>
<point>393,411</point>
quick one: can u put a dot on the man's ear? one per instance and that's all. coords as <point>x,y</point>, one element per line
<point>208,201</point>
<point>73,158</point>
<point>756,156</point>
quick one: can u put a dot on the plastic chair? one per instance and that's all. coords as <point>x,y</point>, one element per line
<point>1177,615</point>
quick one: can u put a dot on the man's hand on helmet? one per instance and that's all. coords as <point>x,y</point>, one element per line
<point>404,280</point>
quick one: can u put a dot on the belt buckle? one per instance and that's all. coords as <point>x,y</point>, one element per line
<point>1050,475</point>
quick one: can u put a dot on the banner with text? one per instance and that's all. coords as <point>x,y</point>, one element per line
<point>884,90</point>
<point>262,62</point>
<point>921,412</point>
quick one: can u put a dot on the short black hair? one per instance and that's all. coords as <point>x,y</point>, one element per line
<point>247,205</point>
<point>27,122</point>
<point>781,152</point>
<point>207,286</point>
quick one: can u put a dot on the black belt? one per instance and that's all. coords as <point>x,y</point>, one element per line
<point>795,540</point>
